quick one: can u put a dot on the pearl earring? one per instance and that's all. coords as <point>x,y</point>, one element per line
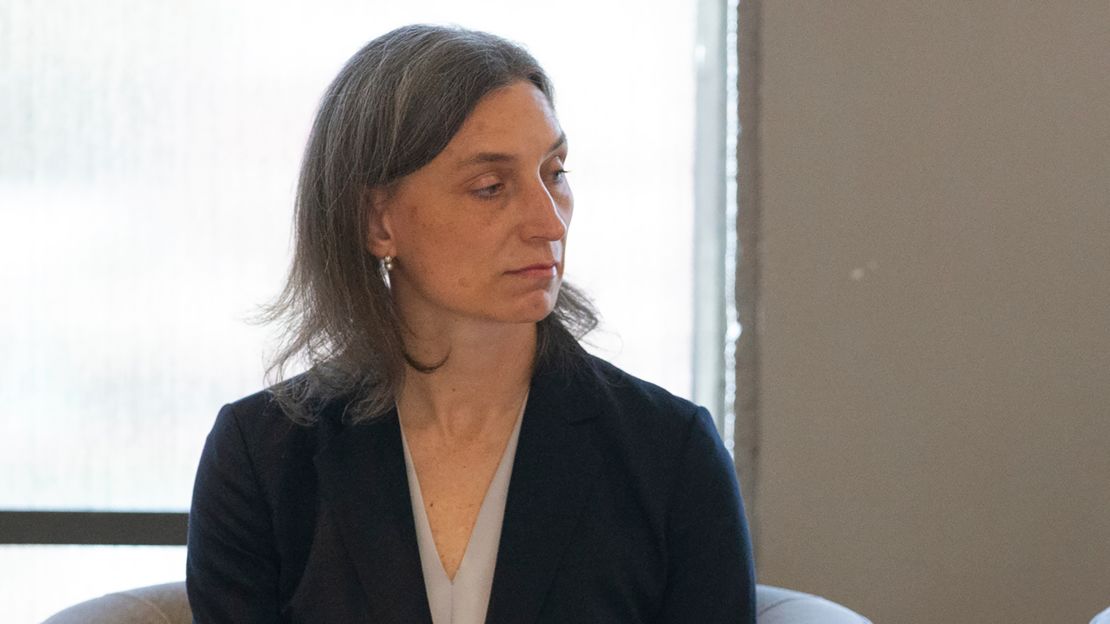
<point>387,262</point>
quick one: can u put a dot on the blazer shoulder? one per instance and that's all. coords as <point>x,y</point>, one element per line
<point>272,442</point>
<point>619,385</point>
<point>655,443</point>
<point>264,410</point>
<point>261,405</point>
<point>257,417</point>
<point>638,407</point>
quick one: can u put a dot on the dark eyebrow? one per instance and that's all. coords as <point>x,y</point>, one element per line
<point>559,142</point>
<point>498,157</point>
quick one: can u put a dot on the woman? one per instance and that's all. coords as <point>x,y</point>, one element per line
<point>453,455</point>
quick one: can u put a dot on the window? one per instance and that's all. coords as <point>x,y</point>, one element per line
<point>146,176</point>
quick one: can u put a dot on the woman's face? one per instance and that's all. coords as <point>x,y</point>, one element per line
<point>479,232</point>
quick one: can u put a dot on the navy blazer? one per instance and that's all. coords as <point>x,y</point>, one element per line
<point>622,507</point>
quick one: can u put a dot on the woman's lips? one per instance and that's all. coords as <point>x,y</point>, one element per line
<point>535,271</point>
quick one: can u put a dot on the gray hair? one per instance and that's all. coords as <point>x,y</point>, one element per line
<point>393,107</point>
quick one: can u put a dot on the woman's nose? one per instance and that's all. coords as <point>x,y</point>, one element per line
<point>546,216</point>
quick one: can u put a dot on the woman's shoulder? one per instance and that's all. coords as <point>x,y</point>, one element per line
<point>264,426</point>
<point>627,388</point>
<point>288,402</point>
<point>655,442</point>
<point>260,411</point>
<point>635,405</point>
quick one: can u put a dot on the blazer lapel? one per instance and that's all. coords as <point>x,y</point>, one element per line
<point>553,475</point>
<point>362,476</point>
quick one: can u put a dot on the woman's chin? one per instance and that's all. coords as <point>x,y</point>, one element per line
<point>535,308</point>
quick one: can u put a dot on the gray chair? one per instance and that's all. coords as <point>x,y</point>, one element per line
<point>157,604</point>
<point>775,605</point>
<point>167,604</point>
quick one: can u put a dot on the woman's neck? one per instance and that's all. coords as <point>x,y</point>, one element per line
<point>480,387</point>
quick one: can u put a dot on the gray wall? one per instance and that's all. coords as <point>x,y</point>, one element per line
<point>931,408</point>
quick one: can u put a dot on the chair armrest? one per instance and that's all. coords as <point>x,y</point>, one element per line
<point>776,605</point>
<point>157,604</point>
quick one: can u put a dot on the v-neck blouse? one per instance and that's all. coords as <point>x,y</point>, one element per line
<point>465,599</point>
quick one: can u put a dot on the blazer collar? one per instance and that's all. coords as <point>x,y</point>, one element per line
<point>362,476</point>
<point>553,475</point>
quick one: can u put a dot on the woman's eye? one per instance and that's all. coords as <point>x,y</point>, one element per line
<point>489,192</point>
<point>559,174</point>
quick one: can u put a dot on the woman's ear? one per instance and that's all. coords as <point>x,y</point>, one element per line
<point>379,234</point>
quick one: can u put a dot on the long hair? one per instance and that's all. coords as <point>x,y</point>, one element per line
<point>393,107</point>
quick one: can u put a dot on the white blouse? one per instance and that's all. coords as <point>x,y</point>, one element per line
<point>465,599</point>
